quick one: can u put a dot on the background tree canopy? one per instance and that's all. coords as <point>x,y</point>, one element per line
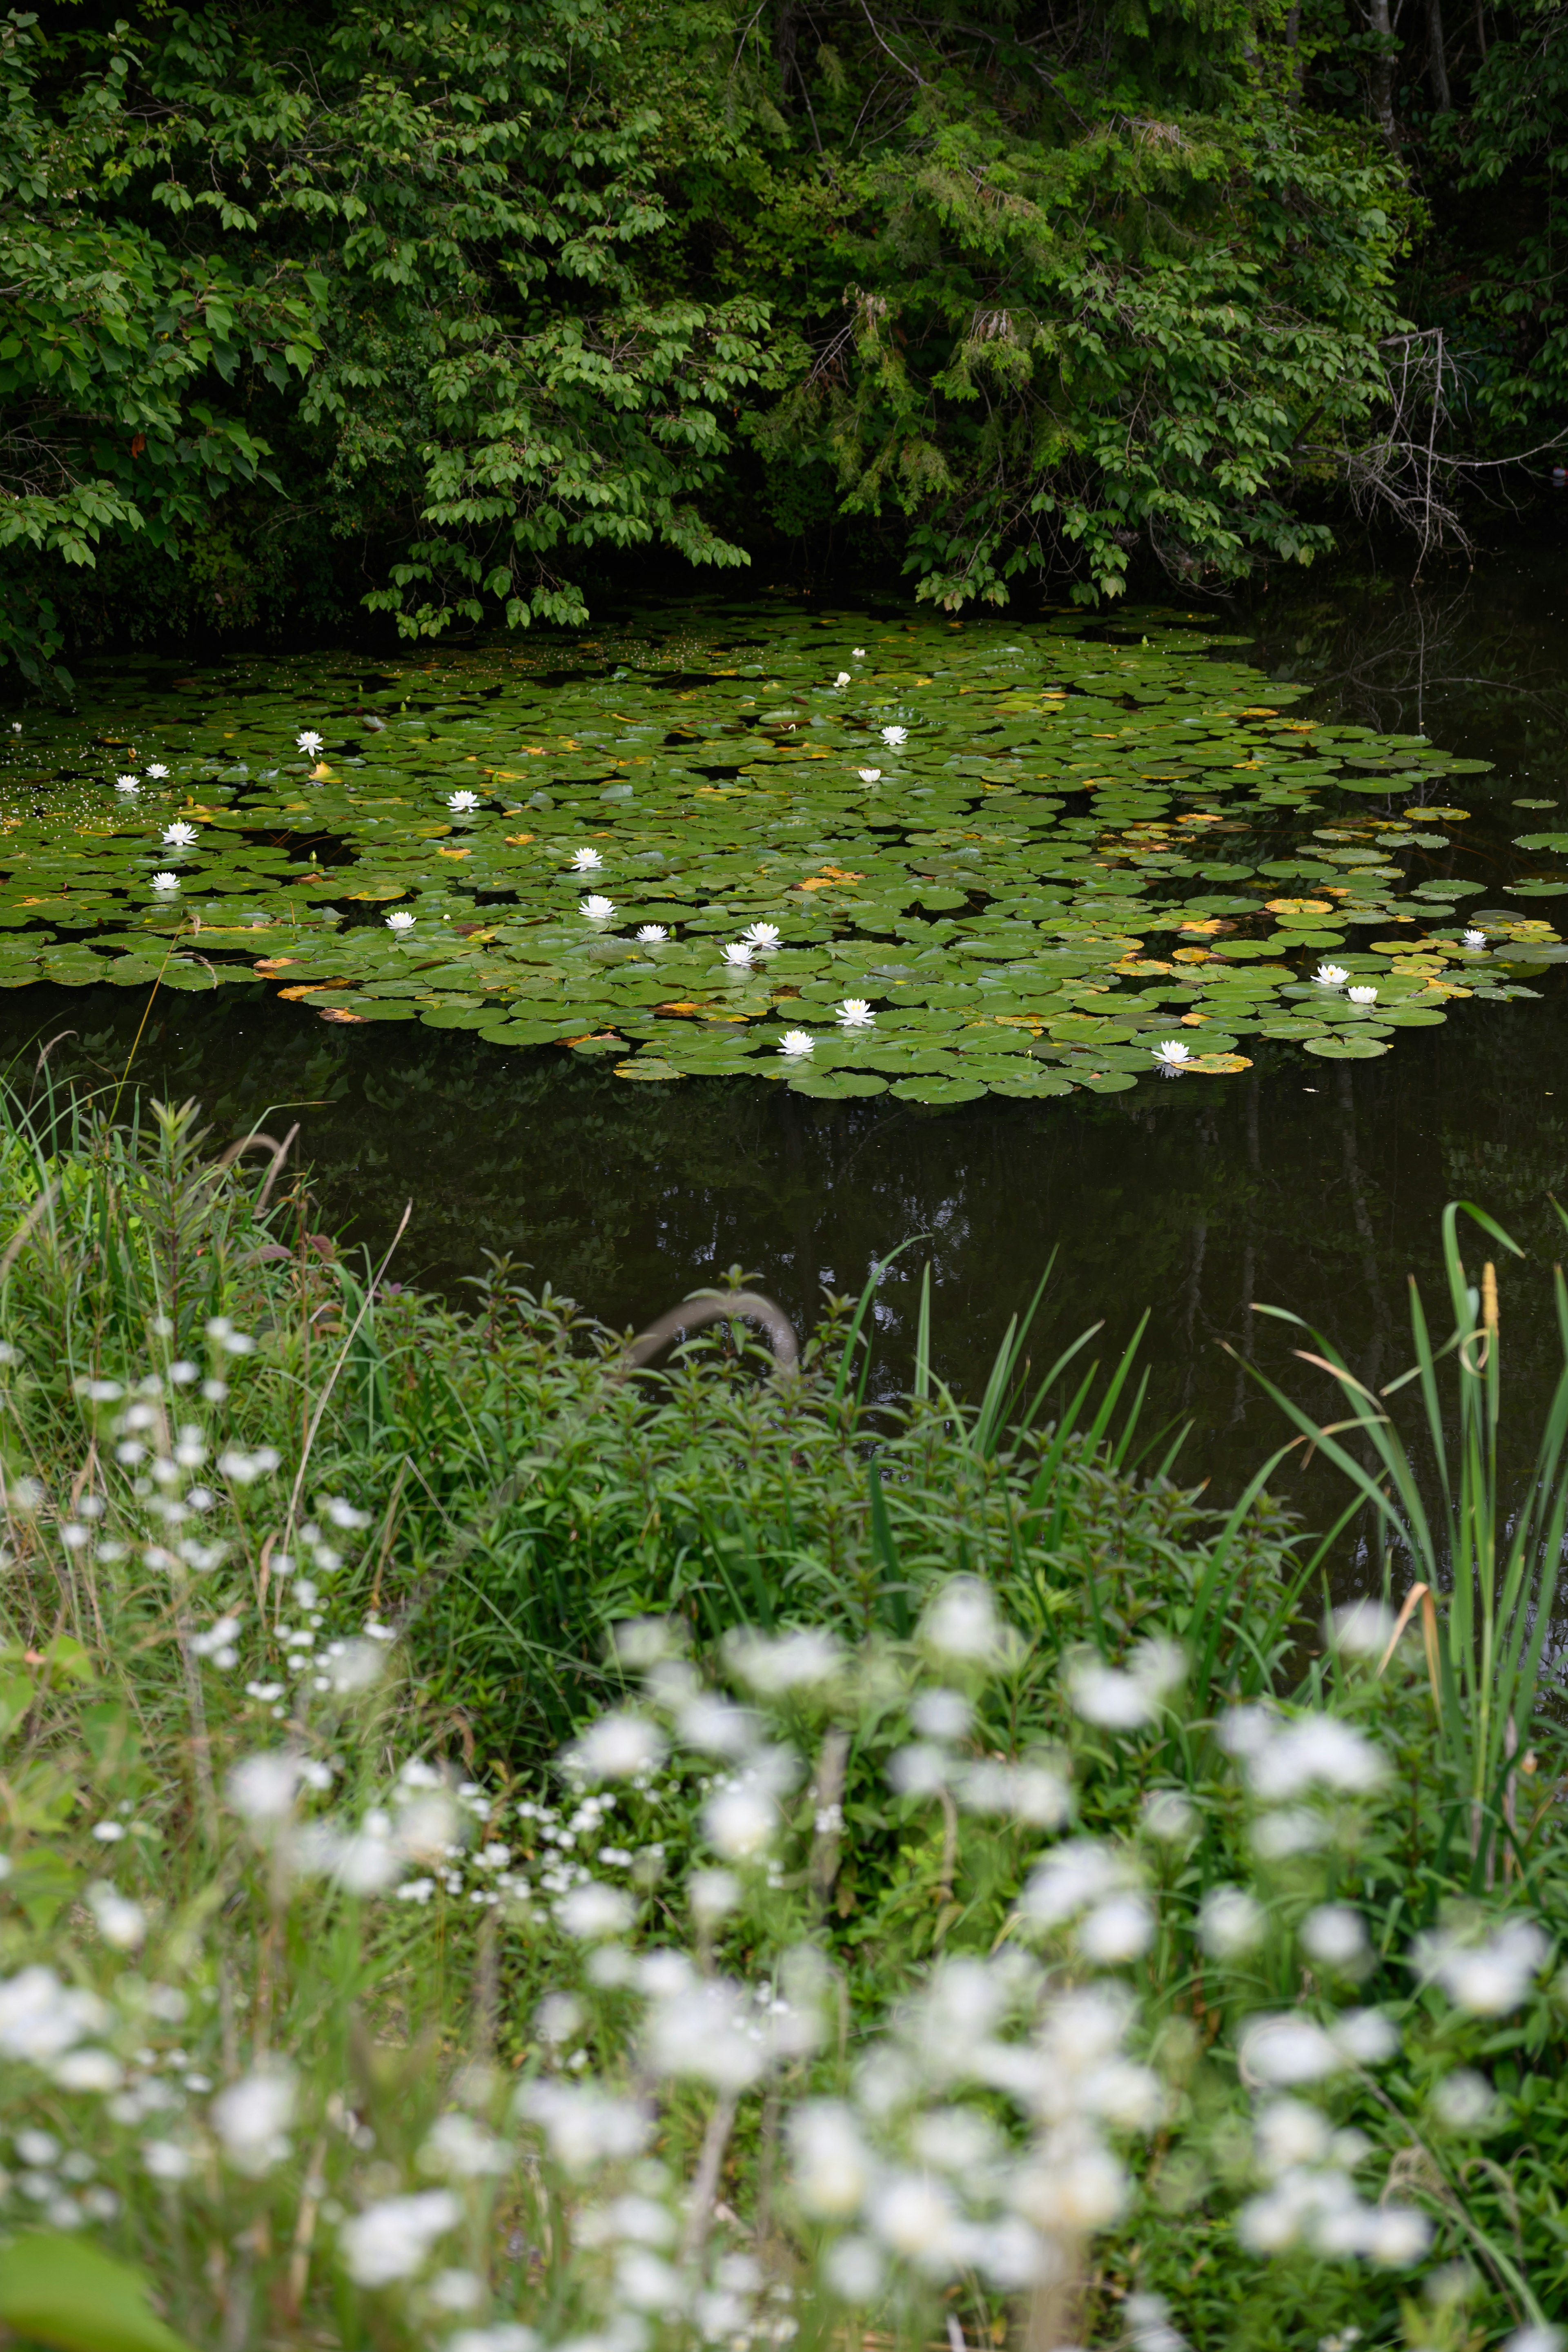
<point>434,308</point>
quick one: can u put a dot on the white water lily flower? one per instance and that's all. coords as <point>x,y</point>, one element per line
<point>895,736</point>
<point>739,953</point>
<point>796,1042</point>
<point>462,802</point>
<point>1330,975</point>
<point>309,741</point>
<point>165,881</point>
<point>401,921</point>
<point>652,934</point>
<point>859,652</point>
<point>869,775</point>
<point>390,2240</point>
<point>1171,1054</point>
<point>157,770</point>
<point>180,837</point>
<point>760,936</point>
<point>1367,995</point>
<point>856,1013</point>
<point>1489,1976</point>
<point>1472,938</point>
<point>842,678</point>
<point>586,861</point>
<point>598,908</point>
<point>128,783</point>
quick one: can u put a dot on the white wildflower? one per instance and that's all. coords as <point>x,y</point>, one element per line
<point>120,1921</point>
<point>1124,1699</point>
<point>740,1822</point>
<point>1466,2101</point>
<point>593,1912</point>
<point>791,1662</point>
<point>40,2018</point>
<point>1334,1936</point>
<point>963,1622</point>
<point>917,2218</point>
<point>855,2270</point>
<point>617,1746</point>
<point>1361,1628</point>
<point>456,2144</point>
<point>252,2118</point>
<point>262,1789</point>
<point>1231,1922</point>
<point>705,2031</point>
<point>392,2241</point>
<point>1315,1747</point>
<point>1170,1816</point>
<point>584,2126</point>
<point>1287,2049</point>
<point>1289,2134</point>
<point>88,2070</point>
<point>1489,1975</point>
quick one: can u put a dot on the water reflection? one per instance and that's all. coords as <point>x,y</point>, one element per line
<point>1314,1186</point>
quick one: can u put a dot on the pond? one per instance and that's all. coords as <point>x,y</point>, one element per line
<point>775,932</point>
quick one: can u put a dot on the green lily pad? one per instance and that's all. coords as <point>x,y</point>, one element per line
<point>1351,1048</point>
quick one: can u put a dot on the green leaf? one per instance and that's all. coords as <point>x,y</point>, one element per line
<point>63,2291</point>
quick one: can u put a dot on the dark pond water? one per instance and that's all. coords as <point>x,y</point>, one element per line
<point>1314,1186</point>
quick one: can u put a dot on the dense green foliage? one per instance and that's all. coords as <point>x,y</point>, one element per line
<point>425,308</point>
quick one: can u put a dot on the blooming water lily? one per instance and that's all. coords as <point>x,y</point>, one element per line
<point>400,921</point>
<point>157,769</point>
<point>796,1042</point>
<point>893,736</point>
<point>1330,975</point>
<point>309,742</point>
<point>651,934</point>
<point>856,1013</point>
<point>598,908</point>
<point>462,802</point>
<point>165,881</point>
<point>127,783</point>
<point>586,861</point>
<point>1367,995</point>
<point>761,935</point>
<point>1171,1053</point>
<point>737,953</point>
<point>180,837</point>
<point>1475,938</point>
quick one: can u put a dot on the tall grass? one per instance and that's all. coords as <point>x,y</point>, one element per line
<point>1486,1553</point>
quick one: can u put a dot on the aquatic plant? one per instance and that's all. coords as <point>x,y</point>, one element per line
<point>1088,840</point>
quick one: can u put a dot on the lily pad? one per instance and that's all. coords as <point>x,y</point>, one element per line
<point>1351,1048</point>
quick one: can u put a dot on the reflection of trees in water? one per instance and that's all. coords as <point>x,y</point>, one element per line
<point>1478,663</point>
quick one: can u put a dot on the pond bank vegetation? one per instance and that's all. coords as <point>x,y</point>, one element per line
<point>506,1852</point>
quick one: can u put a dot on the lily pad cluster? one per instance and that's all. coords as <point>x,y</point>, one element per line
<point>931,859</point>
